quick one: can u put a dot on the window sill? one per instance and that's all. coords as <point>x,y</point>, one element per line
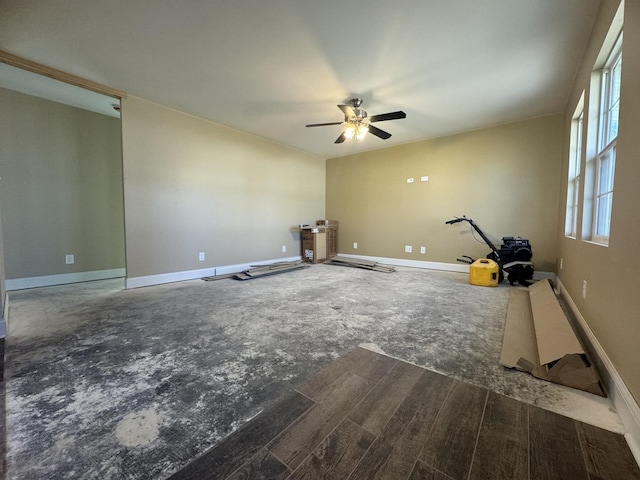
<point>600,243</point>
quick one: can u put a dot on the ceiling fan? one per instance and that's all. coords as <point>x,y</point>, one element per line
<point>357,122</point>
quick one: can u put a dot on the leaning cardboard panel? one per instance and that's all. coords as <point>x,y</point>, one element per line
<point>519,349</point>
<point>554,336</point>
<point>538,339</point>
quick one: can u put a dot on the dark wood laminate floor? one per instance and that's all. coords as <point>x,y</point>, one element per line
<point>368,416</point>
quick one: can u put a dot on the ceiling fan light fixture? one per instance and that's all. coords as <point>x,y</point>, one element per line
<point>357,122</point>
<point>350,131</point>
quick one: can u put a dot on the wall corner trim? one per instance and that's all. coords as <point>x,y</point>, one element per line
<point>621,397</point>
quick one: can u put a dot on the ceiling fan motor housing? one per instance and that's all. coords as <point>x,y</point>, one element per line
<point>359,113</point>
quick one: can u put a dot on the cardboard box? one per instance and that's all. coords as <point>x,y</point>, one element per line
<point>314,245</point>
<point>322,247</point>
<point>327,223</point>
<point>538,339</point>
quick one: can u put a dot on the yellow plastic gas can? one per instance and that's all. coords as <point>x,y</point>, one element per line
<point>484,272</point>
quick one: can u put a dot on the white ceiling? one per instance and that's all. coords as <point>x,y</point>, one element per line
<point>270,67</point>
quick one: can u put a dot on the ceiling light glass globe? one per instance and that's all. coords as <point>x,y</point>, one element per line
<point>349,132</point>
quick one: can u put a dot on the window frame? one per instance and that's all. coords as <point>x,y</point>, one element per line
<point>606,150</point>
<point>574,172</point>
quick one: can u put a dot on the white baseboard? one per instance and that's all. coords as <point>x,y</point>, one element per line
<point>149,280</point>
<point>5,315</point>
<point>5,305</point>
<point>449,267</point>
<point>62,279</point>
<point>621,397</point>
<point>159,279</point>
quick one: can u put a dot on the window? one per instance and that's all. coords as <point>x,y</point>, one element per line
<point>607,138</point>
<point>575,159</point>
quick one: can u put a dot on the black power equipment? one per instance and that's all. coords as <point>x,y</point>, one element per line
<point>513,258</point>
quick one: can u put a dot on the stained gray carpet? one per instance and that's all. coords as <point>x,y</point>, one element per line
<point>106,383</point>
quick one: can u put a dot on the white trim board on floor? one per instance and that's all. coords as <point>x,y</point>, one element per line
<point>620,396</point>
<point>149,280</point>
<point>227,269</point>
<point>400,262</point>
<point>62,279</point>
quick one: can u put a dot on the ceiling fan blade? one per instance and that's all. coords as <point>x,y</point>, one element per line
<point>388,116</point>
<point>379,133</point>
<point>323,124</point>
<point>341,138</point>
<point>347,110</point>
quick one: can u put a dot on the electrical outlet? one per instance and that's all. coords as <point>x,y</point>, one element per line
<point>355,245</point>
<point>561,262</point>
<point>584,289</point>
<point>284,249</point>
<point>69,259</point>
<point>424,178</point>
<point>410,180</point>
<point>201,256</point>
<point>408,248</point>
<point>423,250</point>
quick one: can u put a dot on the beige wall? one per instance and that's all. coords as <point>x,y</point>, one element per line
<point>612,304</point>
<point>195,186</point>
<point>61,188</point>
<point>506,178</point>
